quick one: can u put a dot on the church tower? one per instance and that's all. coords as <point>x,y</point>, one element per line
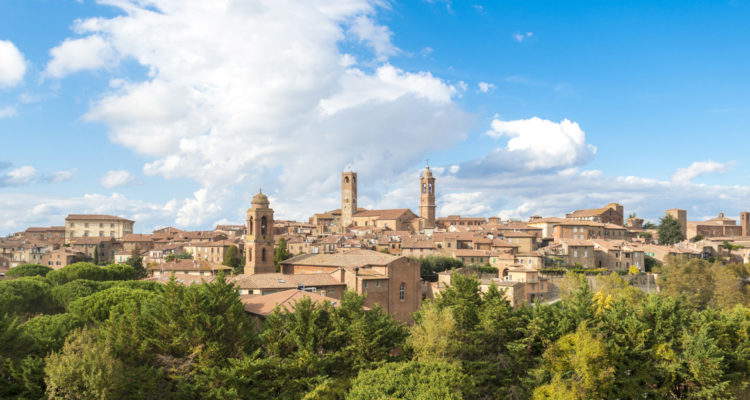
<point>427,198</point>
<point>259,239</point>
<point>348,197</point>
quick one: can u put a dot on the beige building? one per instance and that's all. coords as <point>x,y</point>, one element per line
<point>259,240</point>
<point>612,213</point>
<point>187,267</point>
<point>213,252</point>
<point>721,226</point>
<point>95,225</point>
<point>427,198</point>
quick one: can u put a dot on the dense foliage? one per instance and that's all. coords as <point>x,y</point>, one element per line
<point>431,265</point>
<point>79,334</point>
<point>28,270</point>
<point>670,230</point>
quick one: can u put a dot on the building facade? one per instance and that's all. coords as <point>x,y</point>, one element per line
<point>259,240</point>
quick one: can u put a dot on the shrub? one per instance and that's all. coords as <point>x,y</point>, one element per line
<point>28,270</point>
<point>96,307</point>
<point>49,331</point>
<point>26,295</point>
<point>84,270</point>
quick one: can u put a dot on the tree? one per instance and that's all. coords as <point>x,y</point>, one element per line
<point>27,295</point>
<point>431,265</point>
<point>280,253</point>
<point>579,366</point>
<point>232,259</point>
<point>85,369</point>
<point>96,307</point>
<point>136,261</point>
<point>670,231</point>
<point>28,270</point>
<point>412,380</point>
<point>433,336</point>
<point>179,256</point>
<point>48,332</point>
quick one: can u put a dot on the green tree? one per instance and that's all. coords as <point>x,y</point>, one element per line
<point>28,270</point>
<point>232,259</point>
<point>48,332</point>
<point>579,367</point>
<point>670,231</point>
<point>730,247</point>
<point>27,295</point>
<point>96,307</point>
<point>136,262</point>
<point>280,253</point>
<point>412,380</point>
<point>431,265</point>
<point>85,369</point>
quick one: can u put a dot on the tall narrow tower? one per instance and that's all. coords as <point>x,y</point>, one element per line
<point>259,239</point>
<point>348,197</point>
<point>427,198</point>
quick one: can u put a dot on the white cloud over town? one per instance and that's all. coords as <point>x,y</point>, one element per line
<point>74,55</point>
<point>696,169</point>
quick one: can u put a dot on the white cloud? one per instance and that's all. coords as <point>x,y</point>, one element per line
<point>259,93</point>
<point>521,36</point>
<point>696,169</point>
<point>485,87</point>
<point>21,175</point>
<point>12,64</point>
<point>7,112</point>
<point>376,36</point>
<point>469,203</point>
<point>61,176</point>
<point>73,55</point>
<point>534,144</point>
<point>116,178</point>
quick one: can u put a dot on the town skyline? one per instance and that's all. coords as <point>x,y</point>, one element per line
<point>508,135</point>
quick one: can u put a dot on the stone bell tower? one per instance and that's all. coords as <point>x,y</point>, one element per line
<point>427,198</point>
<point>259,240</point>
<point>348,197</point>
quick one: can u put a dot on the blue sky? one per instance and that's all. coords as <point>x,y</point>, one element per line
<point>188,107</point>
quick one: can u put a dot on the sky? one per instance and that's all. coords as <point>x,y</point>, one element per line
<point>175,112</point>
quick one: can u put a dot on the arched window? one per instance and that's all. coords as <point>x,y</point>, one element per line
<point>402,291</point>
<point>250,226</point>
<point>505,273</point>
<point>429,188</point>
<point>263,225</point>
<point>346,179</point>
<point>263,255</point>
<point>424,188</point>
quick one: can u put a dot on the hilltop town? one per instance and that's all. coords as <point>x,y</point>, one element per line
<point>381,254</point>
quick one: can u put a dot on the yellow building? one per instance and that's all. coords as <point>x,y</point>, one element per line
<point>96,225</point>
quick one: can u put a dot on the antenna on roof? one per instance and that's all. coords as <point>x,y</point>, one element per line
<point>260,190</point>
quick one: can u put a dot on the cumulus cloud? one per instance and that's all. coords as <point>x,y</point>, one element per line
<point>485,87</point>
<point>696,169</point>
<point>377,36</point>
<point>259,93</point>
<point>12,64</point>
<point>533,144</point>
<point>521,36</point>
<point>74,55</point>
<point>117,178</point>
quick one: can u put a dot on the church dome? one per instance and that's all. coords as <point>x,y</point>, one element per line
<point>260,199</point>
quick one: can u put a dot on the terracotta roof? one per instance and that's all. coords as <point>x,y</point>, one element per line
<point>351,258</point>
<point>502,243</point>
<point>188,265</point>
<point>45,229</point>
<point>418,245</point>
<point>137,237</point>
<point>285,300</point>
<point>383,214</point>
<point>73,217</point>
<point>284,281</point>
<point>591,212</point>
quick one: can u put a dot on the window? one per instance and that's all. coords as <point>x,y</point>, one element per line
<point>101,233</point>
<point>111,225</point>
<point>263,225</point>
<point>250,226</point>
<point>575,253</point>
<point>364,285</point>
<point>402,291</point>
<point>85,233</point>
<point>263,255</point>
<point>86,225</point>
<point>101,225</point>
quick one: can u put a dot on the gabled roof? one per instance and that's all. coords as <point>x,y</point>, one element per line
<point>285,300</point>
<point>74,217</point>
<point>351,258</point>
<point>284,281</point>
<point>384,214</point>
